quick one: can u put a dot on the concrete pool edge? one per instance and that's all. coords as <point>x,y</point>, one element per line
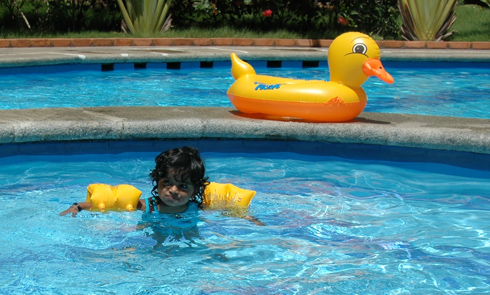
<point>37,56</point>
<point>146,123</point>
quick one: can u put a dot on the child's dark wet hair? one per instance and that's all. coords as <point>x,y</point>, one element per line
<point>185,163</point>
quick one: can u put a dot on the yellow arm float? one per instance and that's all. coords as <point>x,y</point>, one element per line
<point>106,197</point>
<point>219,195</point>
<point>125,197</point>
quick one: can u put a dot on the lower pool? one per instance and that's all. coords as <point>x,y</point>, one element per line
<point>333,225</point>
<point>424,88</point>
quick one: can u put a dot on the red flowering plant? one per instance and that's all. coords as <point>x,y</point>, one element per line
<point>309,18</point>
<point>343,21</point>
<point>235,13</point>
<point>295,16</point>
<point>258,15</point>
<point>267,13</point>
<point>373,17</point>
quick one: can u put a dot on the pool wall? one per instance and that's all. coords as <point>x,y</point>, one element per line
<point>18,127</point>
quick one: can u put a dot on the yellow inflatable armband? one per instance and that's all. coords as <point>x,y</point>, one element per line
<point>219,195</point>
<point>106,197</point>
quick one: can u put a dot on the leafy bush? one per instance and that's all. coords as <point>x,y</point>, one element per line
<point>373,17</point>
<point>311,18</point>
<point>59,16</point>
<point>307,18</point>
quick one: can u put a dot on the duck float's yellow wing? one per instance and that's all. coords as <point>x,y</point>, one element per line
<point>353,57</point>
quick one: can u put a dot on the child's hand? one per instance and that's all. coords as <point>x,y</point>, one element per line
<point>254,220</point>
<point>73,210</point>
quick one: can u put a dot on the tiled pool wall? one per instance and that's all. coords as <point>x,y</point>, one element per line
<point>341,150</point>
<point>174,65</point>
<point>177,65</point>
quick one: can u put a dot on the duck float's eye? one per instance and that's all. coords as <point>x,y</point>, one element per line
<point>359,48</point>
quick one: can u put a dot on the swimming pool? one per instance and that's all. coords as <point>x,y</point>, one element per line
<point>425,88</point>
<point>334,225</point>
<point>406,238</point>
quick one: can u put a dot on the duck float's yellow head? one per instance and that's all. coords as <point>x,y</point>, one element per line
<point>351,52</point>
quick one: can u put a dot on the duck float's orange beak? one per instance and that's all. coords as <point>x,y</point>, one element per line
<point>374,67</point>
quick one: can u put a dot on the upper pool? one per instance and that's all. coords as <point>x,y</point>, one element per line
<point>425,88</point>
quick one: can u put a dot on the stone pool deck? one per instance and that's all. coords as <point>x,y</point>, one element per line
<point>136,123</point>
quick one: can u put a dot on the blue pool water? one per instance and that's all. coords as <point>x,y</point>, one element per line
<point>442,89</point>
<point>333,225</point>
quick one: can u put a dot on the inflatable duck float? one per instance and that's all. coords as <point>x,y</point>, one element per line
<point>352,57</point>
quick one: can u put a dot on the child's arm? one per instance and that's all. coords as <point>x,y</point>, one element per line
<point>254,220</point>
<point>75,208</point>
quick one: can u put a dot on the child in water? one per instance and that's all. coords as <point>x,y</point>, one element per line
<point>178,185</point>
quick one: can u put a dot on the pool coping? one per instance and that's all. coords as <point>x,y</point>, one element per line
<point>35,56</point>
<point>136,123</point>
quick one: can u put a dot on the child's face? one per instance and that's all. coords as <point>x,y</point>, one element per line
<point>174,191</point>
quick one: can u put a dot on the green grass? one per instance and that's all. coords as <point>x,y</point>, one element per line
<point>472,24</point>
<point>223,32</point>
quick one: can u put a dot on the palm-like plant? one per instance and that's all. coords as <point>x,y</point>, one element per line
<point>145,16</point>
<point>427,20</point>
<point>487,2</point>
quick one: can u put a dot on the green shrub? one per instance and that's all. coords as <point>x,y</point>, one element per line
<point>305,18</point>
<point>373,17</point>
<point>310,18</point>
<point>58,16</point>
